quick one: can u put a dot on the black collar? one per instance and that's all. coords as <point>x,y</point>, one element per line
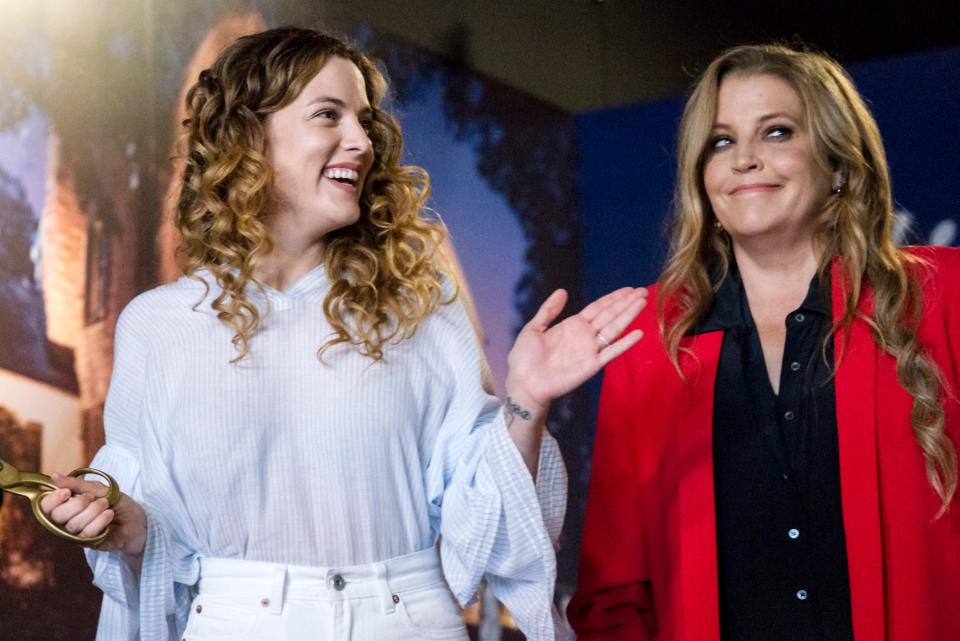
<point>730,310</point>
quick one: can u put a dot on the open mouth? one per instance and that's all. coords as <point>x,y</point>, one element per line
<point>346,177</point>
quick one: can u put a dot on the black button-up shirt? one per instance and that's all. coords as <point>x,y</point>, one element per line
<point>781,549</point>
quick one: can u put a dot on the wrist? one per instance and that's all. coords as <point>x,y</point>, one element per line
<point>522,408</point>
<point>525,423</point>
<point>134,562</point>
<point>514,388</point>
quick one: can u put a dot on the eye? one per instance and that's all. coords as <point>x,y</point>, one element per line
<point>367,124</point>
<point>327,114</point>
<point>779,132</point>
<point>720,142</point>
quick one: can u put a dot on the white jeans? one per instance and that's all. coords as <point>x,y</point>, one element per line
<point>401,599</point>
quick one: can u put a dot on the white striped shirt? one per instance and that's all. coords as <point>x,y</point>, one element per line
<point>286,459</point>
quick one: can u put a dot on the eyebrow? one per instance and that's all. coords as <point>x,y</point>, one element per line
<point>764,118</point>
<point>336,101</point>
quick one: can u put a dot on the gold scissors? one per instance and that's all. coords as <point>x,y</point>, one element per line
<point>35,486</point>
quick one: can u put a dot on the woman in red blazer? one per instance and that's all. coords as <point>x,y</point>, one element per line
<point>777,459</point>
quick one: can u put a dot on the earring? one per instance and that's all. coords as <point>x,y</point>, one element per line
<point>839,182</point>
<point>717,226</point>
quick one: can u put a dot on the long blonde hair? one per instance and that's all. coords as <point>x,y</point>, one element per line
<point>855,225</point>
<point>385,279</point>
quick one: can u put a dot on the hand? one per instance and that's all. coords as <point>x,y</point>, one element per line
<point>79,507</point>
<point>547,362</point>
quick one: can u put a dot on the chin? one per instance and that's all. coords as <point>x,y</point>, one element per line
<point>348,221</point>
<point>341,220</point>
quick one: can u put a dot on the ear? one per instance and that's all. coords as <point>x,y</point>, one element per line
<point>839,180</point>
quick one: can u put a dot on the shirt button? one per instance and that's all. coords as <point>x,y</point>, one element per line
<point>799,318</point>
<point>789,415</point>
<point>793,533</point>
<point>338,582</point>
<point>794,366</point>
<point>802,595</point>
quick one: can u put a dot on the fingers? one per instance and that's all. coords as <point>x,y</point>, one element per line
<point>550,309</point>
<point>78,505</point>
<point>611,322</point>
<point>620,346</point>
<point>591,311</point>
<point>623,307</point>
<point>54,499</point>
<point>85,519</point>
<point>99,523</point>
<point>79,485</point>
<point>71,508</point>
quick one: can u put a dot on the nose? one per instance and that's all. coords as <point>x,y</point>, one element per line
<point>745,158</point>
<point>355,137</point>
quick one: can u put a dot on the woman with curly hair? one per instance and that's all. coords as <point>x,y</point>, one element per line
<point>777,460</point>
<point>301,417</point>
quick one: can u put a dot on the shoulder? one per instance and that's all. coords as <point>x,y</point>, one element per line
<point>160,307</point>
<point>455,316</point>
<point>937,272</point>
<point>448,328</point>
<point>936,269</point>
<point>934,258</point>
<point>181,295</point>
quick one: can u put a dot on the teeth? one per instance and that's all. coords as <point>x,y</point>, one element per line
<point>343,174</point>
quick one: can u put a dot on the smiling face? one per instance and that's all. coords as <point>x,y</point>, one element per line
<point>761,173</point>
<point>320,151</point>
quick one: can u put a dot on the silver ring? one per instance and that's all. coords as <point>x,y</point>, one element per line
<point>604,343</point>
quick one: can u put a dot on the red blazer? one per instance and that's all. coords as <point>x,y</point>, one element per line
<point>648,565</point>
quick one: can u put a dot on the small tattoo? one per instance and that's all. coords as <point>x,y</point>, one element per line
<point>515,410</point>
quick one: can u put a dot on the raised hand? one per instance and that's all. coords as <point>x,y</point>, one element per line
<point>547,362</point>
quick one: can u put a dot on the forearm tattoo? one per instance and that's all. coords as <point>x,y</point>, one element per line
<point>513,410</point>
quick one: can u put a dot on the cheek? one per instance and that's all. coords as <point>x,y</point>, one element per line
<point>801,167</point>
<point>713,181</point>
<point>283,176</point>
<point>715,172</point>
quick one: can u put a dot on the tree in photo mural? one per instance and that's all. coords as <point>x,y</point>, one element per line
<point>526,150</point>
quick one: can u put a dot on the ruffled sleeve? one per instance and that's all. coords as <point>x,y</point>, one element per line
<point>494,521</point>
<point>151,606</point>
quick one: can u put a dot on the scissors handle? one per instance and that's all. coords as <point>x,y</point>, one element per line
<point>113,497</point>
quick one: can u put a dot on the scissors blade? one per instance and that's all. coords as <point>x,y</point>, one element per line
<point>9,475</point>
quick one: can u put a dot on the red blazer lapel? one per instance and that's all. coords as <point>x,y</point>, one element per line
<point>856,357</point>
<point>698,546</point>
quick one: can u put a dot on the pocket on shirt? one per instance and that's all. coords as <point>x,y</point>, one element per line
<point>221,618</point>
<point>432,614</point>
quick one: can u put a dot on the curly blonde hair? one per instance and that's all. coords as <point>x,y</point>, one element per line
<point>384,269</point>
<point>855,224</point>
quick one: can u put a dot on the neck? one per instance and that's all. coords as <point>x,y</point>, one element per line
<point>292,257</point>
<point>777,276</point>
